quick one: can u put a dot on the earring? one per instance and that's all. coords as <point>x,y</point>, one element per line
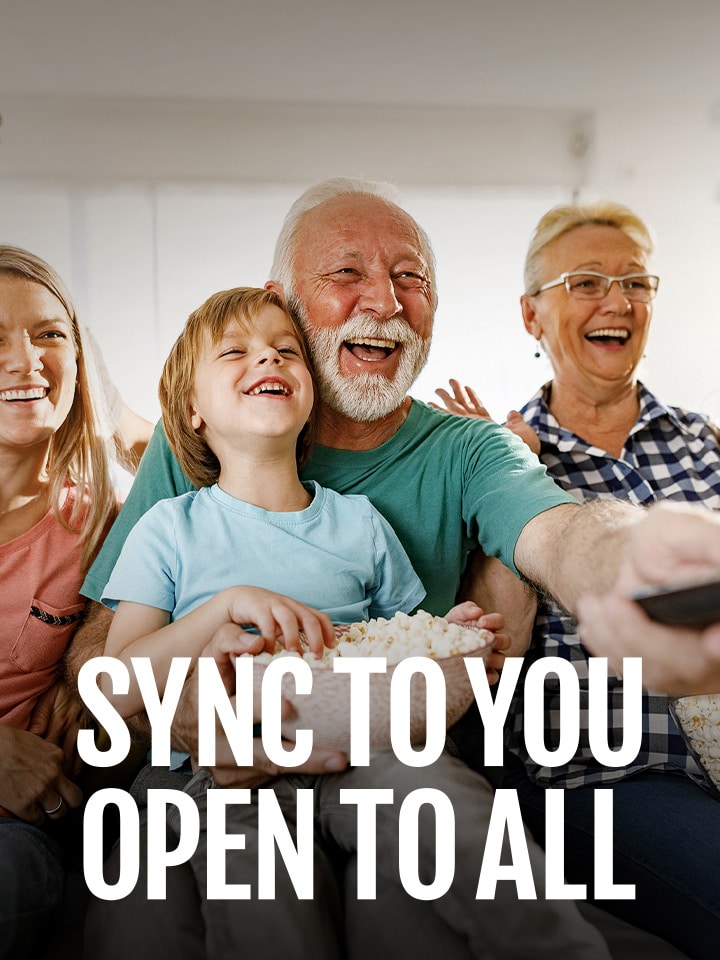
<point>537,353</point>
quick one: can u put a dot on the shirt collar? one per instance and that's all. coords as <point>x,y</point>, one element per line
<point>537,412</point>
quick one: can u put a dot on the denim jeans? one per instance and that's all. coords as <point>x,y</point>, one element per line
<point>32,881</point>
<point>666,836</point>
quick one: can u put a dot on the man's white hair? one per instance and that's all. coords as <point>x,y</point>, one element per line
<point>282,267</point>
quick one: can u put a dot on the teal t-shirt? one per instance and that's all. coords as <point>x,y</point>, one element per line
<point>445,483</point>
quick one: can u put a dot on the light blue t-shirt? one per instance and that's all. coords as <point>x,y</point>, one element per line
<point>338,555</point>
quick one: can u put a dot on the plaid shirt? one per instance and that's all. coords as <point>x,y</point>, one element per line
<point>670,454</point>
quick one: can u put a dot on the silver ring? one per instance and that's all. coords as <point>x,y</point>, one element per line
<point>49,813</point>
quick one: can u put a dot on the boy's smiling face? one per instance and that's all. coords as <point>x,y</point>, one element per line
<point>253,389</point>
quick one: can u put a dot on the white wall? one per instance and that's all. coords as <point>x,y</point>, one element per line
<point>140,250</point>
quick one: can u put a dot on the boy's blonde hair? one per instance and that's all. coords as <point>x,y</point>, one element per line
<point>177,382</point>
<point>78,454</point>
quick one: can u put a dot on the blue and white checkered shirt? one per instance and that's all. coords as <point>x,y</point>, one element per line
<point>670,454</point>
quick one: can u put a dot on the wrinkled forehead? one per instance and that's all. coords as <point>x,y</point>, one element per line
<point>361,224</point>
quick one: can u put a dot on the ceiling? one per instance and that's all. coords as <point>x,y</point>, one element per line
<point>424,53</point>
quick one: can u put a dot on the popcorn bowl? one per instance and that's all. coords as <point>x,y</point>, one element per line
<point>326,710</point>
<point>698,720</point>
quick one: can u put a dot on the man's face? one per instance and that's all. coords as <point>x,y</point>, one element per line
<point>363,295</point>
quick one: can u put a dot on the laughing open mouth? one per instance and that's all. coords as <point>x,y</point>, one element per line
<point>616,335</point>
<point>272,387</point>
<point>370,348</point>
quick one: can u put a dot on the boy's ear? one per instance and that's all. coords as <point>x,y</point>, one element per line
<point>196,420</point>
<point>276,288</point>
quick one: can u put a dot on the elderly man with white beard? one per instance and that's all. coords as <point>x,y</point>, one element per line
<point>358,272</point>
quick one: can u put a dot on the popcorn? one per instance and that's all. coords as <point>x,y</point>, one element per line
<point>405,635</point>
<point>326,710</point>
<point>699,720</point>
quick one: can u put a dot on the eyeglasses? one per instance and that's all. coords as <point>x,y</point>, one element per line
<point>594,286</point>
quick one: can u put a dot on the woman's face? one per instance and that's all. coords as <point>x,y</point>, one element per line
<point>590,341</point>
<point>38,366</point>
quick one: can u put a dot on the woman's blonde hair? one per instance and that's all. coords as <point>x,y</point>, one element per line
<point>177,381</point>
<point>78,454</point>
<point>559,220</point>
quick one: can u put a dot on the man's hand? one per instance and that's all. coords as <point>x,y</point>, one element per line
<point>231,641</point>
<point>56,718</point>
<point>88,641</point>
<point>470,616</point>
<point>671,544</point>
<point>675,661</point>
<point>33,784</point>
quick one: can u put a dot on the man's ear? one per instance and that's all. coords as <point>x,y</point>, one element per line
<point>530,317</point>
<point>276,288</point>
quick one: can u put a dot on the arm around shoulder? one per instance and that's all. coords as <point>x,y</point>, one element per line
<point>88,641</point>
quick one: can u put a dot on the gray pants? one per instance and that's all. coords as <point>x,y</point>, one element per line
<point>335,924</point>
<point>505,927</point>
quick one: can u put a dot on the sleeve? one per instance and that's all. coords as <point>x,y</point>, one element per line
<point>504,487</point>
<point>145,571</point>
<point>396,587</point>
<point>158,478</point>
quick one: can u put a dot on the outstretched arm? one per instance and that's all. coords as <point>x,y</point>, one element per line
<point>573,549</point>
<point>672,544</point>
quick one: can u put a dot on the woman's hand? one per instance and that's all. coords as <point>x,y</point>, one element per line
<point>466,403</point>
<point>520,428</point>
<point>33,784</point>
<point>280,618</point>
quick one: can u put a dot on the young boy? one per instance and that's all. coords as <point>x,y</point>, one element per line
<point>237,399</point>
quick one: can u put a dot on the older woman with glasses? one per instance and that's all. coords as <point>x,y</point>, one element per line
<point>602,433</point>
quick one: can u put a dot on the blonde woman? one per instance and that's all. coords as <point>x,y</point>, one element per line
<point>56,501</point>
<point>602,434</point>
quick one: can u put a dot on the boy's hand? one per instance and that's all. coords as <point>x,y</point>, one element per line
<point>471,616</point>
<point>280,618</point>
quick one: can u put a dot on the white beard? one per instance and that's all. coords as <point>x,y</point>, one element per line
<point>363,397</point>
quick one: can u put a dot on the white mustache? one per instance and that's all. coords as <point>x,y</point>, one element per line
<point>364,325</point>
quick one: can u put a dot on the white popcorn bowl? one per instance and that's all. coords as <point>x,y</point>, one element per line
<point>326,710</point>
<point>698,720</point>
